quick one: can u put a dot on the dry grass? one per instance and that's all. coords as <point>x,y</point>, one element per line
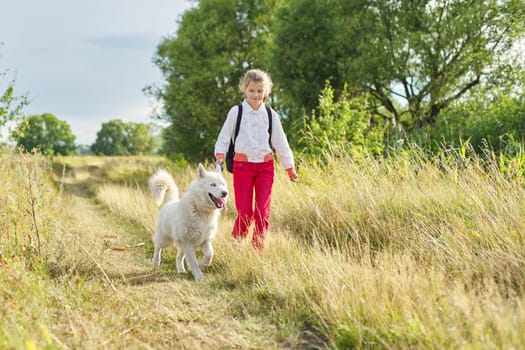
<point>391,253</point>
<point>26,208</point>
<point>424,257</point>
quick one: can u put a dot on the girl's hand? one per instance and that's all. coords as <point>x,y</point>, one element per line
<point>219,161</point>
<point>292,174</point>
<point>219,158</point>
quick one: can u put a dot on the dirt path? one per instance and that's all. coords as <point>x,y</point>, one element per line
<point>124,304</point>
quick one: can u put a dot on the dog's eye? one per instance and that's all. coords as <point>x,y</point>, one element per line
<point>213,185</point>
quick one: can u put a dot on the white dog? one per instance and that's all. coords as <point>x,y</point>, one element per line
<point>190,222</point>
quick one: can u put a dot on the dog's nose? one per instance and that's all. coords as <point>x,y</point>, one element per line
<point>224,194</point>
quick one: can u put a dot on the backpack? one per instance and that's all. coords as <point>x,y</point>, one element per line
<point>231,149</point>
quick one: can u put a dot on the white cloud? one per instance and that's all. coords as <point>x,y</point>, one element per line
<point>86,62</point>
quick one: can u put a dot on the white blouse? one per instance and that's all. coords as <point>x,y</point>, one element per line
<point>253,135</point>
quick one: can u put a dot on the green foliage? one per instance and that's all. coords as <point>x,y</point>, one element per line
<point>306,50</point>
<point>45,132</point>
<point>414,57</point>
<point>342,126</point>
<point>116,138</point>
<point>10,104</point>
<point>216,42</point>
<point>497,123</point>
<point>7,99</point>
<point>139,139</point>
<point>110,139</point>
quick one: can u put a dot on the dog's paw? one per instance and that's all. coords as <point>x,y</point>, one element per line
<point>198,276</point>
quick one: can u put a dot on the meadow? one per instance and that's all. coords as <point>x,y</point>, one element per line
<point>391,253</point>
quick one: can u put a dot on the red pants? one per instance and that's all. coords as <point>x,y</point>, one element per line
<point>252,182</point>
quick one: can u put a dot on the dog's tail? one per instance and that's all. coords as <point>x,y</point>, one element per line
<point>163,188</point>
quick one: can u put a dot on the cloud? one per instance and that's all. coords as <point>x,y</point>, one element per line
<point>86,62</point>
<point>127,41</point>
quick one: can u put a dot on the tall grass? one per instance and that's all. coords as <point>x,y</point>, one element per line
<point>133,201</point>
<point>27,211</point>
<point>400,252</point>
<point>25,203</point>
<point>428,253</point>
<point>380,253</point>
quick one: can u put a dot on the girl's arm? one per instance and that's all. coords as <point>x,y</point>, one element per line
<point>226,134</point>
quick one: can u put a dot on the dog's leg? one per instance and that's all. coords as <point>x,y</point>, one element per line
<point>155,262</point>
<point>189,252</point>
<point>180,261</point>
<point>207,250</point>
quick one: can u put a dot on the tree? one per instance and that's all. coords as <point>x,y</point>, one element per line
<point>118,138</point>
<point>110,139</point>
<point>414,57</point>
<point>10,104</point>
<point>47,132</point>
<point>215,43</point>
<point>306,52</point>
<point>139,138</point>
<point>343,125</point>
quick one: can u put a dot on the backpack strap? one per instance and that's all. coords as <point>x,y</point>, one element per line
<point>238,123</point>
<point>269,111</point>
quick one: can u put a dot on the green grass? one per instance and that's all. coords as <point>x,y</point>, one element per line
<point>403,252</point>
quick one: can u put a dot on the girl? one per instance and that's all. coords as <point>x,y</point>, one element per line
<point>253,165</point>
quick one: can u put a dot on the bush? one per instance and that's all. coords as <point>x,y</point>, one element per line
<point>497,124</point>
<point>343,125</point>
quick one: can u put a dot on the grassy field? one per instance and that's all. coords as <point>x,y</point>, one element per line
<point>392,253</point>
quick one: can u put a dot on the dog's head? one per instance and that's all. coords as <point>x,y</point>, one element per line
<point>214,185</point>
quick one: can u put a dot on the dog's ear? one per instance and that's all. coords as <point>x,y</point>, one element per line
<point>201,170</point>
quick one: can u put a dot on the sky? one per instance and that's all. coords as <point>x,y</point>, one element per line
<point>86,62</point>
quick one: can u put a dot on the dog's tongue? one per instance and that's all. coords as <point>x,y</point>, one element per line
<point>219,201</point>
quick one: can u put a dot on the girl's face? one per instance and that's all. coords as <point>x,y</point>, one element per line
<point>255,94</point>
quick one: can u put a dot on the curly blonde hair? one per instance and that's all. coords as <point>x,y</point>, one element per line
<point>258,76</point>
